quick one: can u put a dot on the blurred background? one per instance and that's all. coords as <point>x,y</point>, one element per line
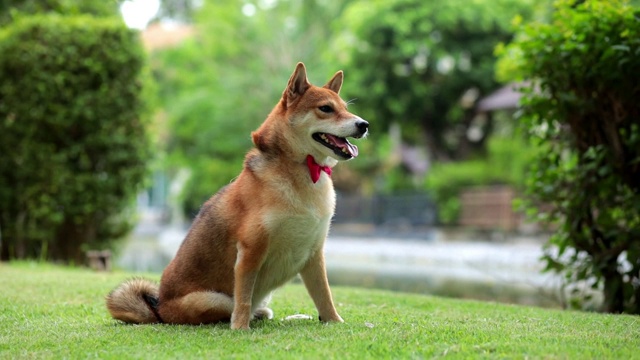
<point>120,118</point>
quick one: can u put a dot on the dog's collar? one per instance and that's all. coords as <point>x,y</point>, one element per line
<point>315,169</point>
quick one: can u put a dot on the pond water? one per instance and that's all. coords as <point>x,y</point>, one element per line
<point>506,272</point>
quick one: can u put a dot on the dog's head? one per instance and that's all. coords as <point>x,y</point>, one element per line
<point>312,120</point>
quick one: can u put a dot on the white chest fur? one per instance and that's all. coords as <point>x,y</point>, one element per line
<point>294,235</point>
<point>292,240</point>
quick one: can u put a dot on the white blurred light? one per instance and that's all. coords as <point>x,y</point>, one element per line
<point>138,13</point>
<point>249,10</point>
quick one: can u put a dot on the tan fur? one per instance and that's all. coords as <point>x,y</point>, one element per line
<point>261,230</point>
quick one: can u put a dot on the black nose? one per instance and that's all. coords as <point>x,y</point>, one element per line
<point>362,126</point>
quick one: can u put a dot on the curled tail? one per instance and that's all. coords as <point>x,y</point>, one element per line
<point>135,301</point>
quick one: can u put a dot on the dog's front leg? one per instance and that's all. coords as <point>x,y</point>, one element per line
<point>314,276</point>
<point>246,270</point>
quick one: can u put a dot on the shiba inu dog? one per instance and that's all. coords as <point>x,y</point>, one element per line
<point>264,228</point>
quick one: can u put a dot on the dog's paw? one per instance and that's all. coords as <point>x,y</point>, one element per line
<point>334,318</point>
<point>263,314</point>
<point>239,326</point>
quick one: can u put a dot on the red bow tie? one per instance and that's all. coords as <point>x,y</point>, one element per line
<point>315,168</point>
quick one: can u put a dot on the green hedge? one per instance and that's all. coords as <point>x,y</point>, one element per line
<point>73,136</point>
<point>12,9</point>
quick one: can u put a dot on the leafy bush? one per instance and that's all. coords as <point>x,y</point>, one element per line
<point>505,164</point>
<point>73,137</point>
<point>583,112</point>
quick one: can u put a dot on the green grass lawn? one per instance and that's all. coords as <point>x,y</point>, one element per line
<point>55,312</point>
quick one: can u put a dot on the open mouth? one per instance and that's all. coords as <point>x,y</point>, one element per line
<point>340,146</point>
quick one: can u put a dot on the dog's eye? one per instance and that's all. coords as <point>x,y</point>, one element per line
<point>326,109</point>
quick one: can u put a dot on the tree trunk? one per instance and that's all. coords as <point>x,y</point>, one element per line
<point>635,309</point>
<point>67,245</point>
<point>4,239</point>
<point>613,288</point>
<point>4,248</point>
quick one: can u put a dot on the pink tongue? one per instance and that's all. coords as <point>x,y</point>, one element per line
<point>352,149</point>
<point>343,144</point>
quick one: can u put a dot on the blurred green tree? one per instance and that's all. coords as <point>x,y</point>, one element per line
<point>73,135</point>
<point>424,65</point>
<point>220,85</point>
<point>582,111</point>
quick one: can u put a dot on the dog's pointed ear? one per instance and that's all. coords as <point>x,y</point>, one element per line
<point>297,85</point>
<point>336,82</point>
